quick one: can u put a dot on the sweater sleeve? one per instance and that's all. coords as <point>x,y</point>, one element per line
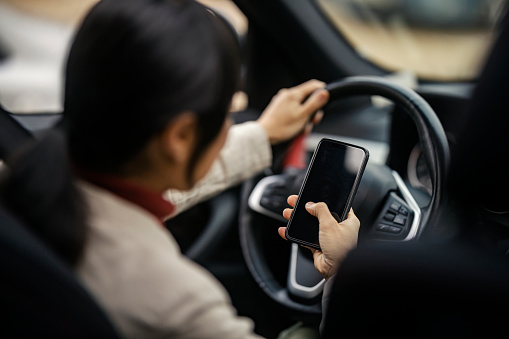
<point>246,153</point>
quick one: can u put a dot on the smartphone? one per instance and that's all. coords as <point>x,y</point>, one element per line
<point>333,177</point>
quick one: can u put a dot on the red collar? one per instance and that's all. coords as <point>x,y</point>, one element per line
<point>137,194</point>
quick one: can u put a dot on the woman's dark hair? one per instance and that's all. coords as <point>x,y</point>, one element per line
<point>39,189</point>
<point>134,65</point>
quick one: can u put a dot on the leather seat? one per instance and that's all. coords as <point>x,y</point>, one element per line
<point>40,297</point>
<point>12,134</point>
<point>411,290</point>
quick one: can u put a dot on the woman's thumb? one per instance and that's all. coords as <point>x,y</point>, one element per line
<point>321,211</point>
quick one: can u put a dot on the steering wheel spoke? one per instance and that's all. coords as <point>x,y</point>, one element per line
<point>304,282</point>
<point>270,193</point>
<point>269,197</point>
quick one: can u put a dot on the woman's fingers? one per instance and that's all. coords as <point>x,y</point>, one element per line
<point>315,101</point>
<point>287,213</point>
<point>282,232</point>
<point>317,118</point>
<point>304,89</point>
<point>336,238</point>
<point>292,200</point>
<point>289,111</point>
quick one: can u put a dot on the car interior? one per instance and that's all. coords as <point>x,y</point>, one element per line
<point>433,205</point>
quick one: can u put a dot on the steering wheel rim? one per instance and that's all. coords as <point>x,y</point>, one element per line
<point>432,137</point>
<point>435,148</point>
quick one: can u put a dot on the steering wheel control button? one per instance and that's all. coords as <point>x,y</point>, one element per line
<point>394,220</point>
<point>389,216</point>
<point>393,229</point>
<point>382,228</point>
<point>388,228</point>
<point>399,219</point>
<point>395,206</point>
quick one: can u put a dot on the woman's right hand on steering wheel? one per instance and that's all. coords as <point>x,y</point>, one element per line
<point>291,109</point>
<point>336,239</point>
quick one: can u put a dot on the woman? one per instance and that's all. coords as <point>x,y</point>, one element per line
<point>148,87</point>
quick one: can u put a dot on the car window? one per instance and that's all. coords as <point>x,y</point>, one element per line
<point>34,40</point>
<point>434,39</point>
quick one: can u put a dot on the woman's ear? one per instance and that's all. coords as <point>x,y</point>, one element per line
<point>178,139</point>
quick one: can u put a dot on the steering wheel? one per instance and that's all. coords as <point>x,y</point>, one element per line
<point>386,206</point>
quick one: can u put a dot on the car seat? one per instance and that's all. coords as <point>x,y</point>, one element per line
<point>411,290</point>
<point>40,296</point>
<point>12,134</point>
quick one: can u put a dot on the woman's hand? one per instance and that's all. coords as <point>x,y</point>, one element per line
<point>289,112</point>
<point>336,239</point>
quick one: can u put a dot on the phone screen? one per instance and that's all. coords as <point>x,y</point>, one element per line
<point>332,177</point>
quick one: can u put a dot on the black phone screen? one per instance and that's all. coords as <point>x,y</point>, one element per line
<point>333,176</point>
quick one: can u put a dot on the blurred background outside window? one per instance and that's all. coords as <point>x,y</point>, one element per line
<point>34,41</point>
<point>440,40</point>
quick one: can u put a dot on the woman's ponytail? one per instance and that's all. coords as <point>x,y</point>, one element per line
<point>40,189</point>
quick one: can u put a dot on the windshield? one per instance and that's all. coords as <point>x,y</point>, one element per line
<point>444,40</point>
